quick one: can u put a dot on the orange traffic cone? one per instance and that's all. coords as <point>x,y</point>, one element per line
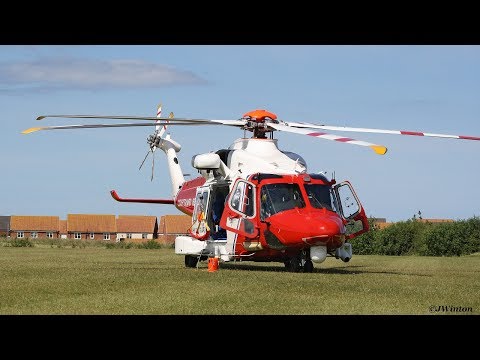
<point>212,264</point>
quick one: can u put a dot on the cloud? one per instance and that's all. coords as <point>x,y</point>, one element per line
<point>85,74</point>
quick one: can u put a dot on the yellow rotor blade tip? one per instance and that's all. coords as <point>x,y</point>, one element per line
<point>380,150</point>
<point>33,129</point>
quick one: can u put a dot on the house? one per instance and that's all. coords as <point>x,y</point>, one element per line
<point>173,225</point>
<point>435,221</point>
<point>62,225</point>
<point>91,227</point>
<point>24,226</point>
<point>381,223</point>
<point>137,228</point>
<point>4,226</point>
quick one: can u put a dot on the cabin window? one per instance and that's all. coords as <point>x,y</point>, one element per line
<point>77,236</point>
<point>144,236</point>
<point>129,235</point>
<point>106,236</point>
<point>92,236</point>
<point>34,234</point>
<point>349,203</point>
<point>49,235</point>
<point>243,198</point>
<point>201,202</point>
<point>20,234</point>
<point>241,205</point>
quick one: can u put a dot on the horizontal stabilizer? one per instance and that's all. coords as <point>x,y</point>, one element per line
<point>147,201</point>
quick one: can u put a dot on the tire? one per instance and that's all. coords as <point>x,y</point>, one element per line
<point>293,265</point>
<point>308,266</point>
<point>191,261</point>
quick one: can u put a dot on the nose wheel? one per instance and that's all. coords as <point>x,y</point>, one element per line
<point>191,261</point>
<point>300,263</point>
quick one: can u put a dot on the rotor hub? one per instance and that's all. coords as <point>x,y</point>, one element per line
<point>257,122</point>
<point>259,115</point>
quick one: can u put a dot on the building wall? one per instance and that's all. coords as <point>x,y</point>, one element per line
<point>86,236</point>
<point>168,239</point>
<point>136,237</point>
<point>28,234</point>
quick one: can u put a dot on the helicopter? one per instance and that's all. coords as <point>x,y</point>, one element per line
<point>253,201</point>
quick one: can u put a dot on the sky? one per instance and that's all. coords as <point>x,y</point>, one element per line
<point>426,88</point>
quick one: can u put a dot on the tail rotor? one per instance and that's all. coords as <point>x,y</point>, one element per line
<point>154,139</point>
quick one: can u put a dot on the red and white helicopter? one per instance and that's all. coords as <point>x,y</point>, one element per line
<point>253,201</point>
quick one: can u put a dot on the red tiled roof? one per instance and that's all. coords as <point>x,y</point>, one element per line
<point>91,223</point>
<point>383,225</point>
<point>136,224</point>
<point>175,224</point>
<point>34,223</point>
<point>435,220</point>
<point>62,226</point>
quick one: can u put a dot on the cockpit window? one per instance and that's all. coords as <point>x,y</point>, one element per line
<point>276,198</point>
<point>319,196</point>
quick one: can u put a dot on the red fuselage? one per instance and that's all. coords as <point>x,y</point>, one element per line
<point>277,216</point>
<point>304,215</point>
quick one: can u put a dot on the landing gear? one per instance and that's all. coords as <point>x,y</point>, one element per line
<point>191,261</point>
<point>308,266</point>
<point>293,264</point>
<point>300,263</point>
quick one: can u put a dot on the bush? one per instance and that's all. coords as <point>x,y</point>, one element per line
<point>150,244</point>
<point>120,245</point>
<point>20,243</point>
<point>401,238</point>
<point>365,244</point>
<point>472,228</point>
<point>413,237</point>
<point>453,239</point>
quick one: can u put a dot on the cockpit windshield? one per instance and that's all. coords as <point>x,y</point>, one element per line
<point>319,196</point>
<point>280,197</point>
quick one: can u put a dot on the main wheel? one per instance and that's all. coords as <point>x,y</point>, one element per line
<point>293,264</point>
<point>191,261</point>
<point>308,266</point>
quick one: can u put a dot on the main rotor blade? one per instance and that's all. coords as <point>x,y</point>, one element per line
<point>92,126</point>
<point>167,119</point>
<point>378,131</point>
<point>379,149</point>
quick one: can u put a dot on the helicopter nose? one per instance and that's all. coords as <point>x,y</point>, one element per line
<point>297,228</point>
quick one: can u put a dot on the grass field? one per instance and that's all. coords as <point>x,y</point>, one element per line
<point>155,281</point>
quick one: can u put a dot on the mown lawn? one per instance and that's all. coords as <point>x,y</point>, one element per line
<point>155,281</point>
